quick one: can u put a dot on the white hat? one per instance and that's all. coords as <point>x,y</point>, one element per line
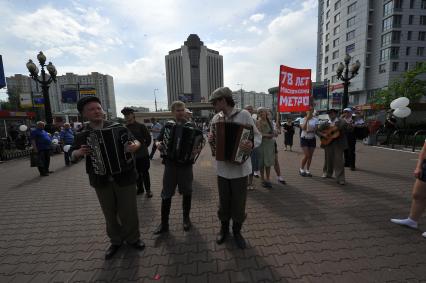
<point>347,110</point>
<point>188,111</point>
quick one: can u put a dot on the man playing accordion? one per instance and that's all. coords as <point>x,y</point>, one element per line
<point>233,161</point>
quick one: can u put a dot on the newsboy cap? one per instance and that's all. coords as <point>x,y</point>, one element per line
<point>220,93</point>
<point>83,101</point>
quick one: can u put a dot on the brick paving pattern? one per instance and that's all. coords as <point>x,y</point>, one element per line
<point>310,230</point>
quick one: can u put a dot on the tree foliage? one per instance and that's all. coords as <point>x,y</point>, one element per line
<point>411,84</point>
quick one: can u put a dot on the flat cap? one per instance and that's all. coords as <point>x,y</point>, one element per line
<point>83,101</point>
<point>220,93</point>
<point>332,110</point>
<point>347,110</point>
<point>127,110</point>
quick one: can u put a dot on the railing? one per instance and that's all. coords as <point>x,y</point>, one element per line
<point>421,132</point>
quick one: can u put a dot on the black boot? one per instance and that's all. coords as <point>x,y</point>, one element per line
<point>139,185</point>
<point>165,211</point>
<point>224,232</point>
<point>186,207</point>
<point>239,240</point>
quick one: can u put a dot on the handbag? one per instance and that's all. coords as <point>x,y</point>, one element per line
<point>34,160</point>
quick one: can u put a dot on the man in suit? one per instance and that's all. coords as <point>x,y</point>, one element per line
<point>334,151</point>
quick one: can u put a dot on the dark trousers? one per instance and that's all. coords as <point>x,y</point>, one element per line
<point>232,199</point>
<point>142,167</point>
<point>153,149</point>
<point>67,156</point>
<point>44,161</point>
<point>350,151</point>
<point>120,211</point>
<point>177,176</point>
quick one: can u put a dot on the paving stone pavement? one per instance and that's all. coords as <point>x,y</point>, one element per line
<point>310,230</point>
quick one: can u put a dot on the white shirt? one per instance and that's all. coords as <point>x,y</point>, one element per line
<point>229,170</point>
<point>311,126</point>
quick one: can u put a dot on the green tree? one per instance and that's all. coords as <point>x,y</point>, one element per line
<point>411,84</point>
<point>13,97</point>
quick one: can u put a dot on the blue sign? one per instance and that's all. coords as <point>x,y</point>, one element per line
<point>38,100</point>
<point>319,92</point>
<point>2,78</point>
<point>69,96</point>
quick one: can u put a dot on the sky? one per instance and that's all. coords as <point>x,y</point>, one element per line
<point>129,39</point>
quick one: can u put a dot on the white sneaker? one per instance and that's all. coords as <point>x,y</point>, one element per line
<point>405,222</point>
<point>250,187</point>
<point>424,234</point>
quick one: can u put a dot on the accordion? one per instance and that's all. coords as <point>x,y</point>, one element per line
<point>226,140</point>
<point>182,143</point>
<point>108,150</point>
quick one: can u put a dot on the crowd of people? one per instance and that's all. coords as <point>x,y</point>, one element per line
<point>117,192</point>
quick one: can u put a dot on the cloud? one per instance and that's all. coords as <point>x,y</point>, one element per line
<point>254,29</point>
<point>257,17</point>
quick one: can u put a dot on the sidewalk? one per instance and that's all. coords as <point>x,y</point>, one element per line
<point>310,230</point>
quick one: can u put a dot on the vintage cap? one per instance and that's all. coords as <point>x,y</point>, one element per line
<point>220,93</point>
<point>83,101</point>
<point>127,110</point>
<point>332,110</point>
<point>347,110</point>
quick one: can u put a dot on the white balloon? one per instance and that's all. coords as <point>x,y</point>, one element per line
<point>23,128</point>
<point>67,148</point>
<point>399,102</point>
<point>402,112</point>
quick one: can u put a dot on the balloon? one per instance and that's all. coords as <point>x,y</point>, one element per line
<point>23,128</point>
<point>67,148</point>
<point>399,102</point>
<point>402,112</point>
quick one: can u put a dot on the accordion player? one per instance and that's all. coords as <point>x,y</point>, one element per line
<point>182,143</point>
<point>108,150</point>
<point>228,147</point>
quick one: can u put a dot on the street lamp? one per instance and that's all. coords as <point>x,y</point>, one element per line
<point>242,96</point>
<point>45,82</point>
<point>342,73</point>
<point>155,99</point>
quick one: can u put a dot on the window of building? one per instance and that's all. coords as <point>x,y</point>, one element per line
<point>410,19</point>
<point>384,54</point>
<point>407,51</point>
<point>396,37</point>
<point>420,51</point>
<point>334,67</point>
<point>327,26</point>
<point>328,3</point>
<point>336,17</point>
<point>350,35</point>
<point>406,67</point>
<point>334,79</point>
<point>422,35</point>
<point>386,39</point>
<point>336,54</point>
<point>336,42</point>
<point>382,68</point>
<point>351,8</point>
<point>327,47</point>
<point>327,15</point>
<point>394,53</point>
<point>412,4</point>
<point>388,8</point>
<point>351,22</point>
<point>326,60</point>
<point>423,20</point>
<point>395,66</point>
<point>350,48</point>
<point>327,37</point>
<point>336,30</point>
<point>423,5</point>
<point>387,24</point>
<point>325,70</point>
<point>409,35</point>
<point>337,5</point>
<point>397,21</point>
<point>397,4</point>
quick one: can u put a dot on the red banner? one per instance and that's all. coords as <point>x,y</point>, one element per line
<point>294,89</point>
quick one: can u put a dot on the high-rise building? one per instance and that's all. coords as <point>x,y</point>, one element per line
<point>193,71</point>
<point>67,89</point>
<point>255,99</point>
<point>388,37</point>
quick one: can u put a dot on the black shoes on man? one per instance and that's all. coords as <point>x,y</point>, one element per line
<point>236,230</point>
<point>113,249</point>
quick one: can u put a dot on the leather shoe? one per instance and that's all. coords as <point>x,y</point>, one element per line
<point>148,194</point>
<point>161,229</point>
<point>139,245</point>
<point>187,224</point>
<point>111,251</point>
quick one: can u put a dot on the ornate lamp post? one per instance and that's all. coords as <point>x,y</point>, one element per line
<point>345,77</point>
<point>44,82</point>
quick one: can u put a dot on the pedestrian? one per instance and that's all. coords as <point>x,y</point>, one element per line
<point>253,156</point>
<point>67,138</point>
<point>418,203</point>
<point>155,130</point>
<point>142,161</point>
<point>266,155</point>
<point>175,175</point>
<point>277,132</point>
<point>349,153</point>
<point>333,151</point>
<point>288,133</point>
<point>390,126</point>
<point>232,178</point>
<point>42,144</point>
<point>116,193</point>
<point>308,127</point>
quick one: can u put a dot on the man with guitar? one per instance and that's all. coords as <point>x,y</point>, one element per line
<point>334,142</point>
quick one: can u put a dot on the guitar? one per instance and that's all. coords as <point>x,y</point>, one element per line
<point>329,135</point>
